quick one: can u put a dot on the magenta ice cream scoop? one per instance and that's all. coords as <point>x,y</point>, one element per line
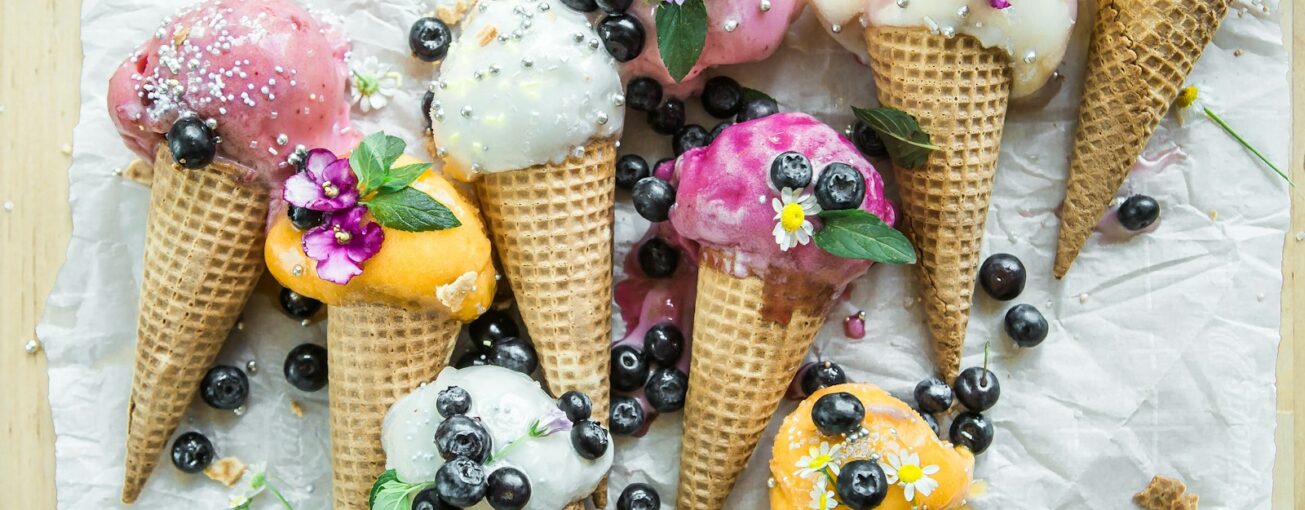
<point>738,31</point>
<point>726,200</point>
<point>269,73</point>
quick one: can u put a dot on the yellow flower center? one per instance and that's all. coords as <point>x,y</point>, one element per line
<point>330,190</point>
<point>791,217</point>
<point>910,473</point>
<point>824,501</point>
<point>1187,96</point>
<point>342,237</point>
<point>819,462</point>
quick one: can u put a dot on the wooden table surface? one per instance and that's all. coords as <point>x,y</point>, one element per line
<point>40,65</point>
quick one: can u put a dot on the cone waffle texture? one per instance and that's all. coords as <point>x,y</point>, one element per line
<point>1142,51</point>
<point>203,257</point>
<point>958,91</point>
<point>748,342</point>
<point>376,354</point>
<point>552,228</point>
<point>1165,494</point>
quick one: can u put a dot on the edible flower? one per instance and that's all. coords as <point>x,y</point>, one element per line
<point>374,84</point>
<point>791,211</point>
<point>822,498</point>
<point>553,421</point>
<point>258,483</point>
<point>904,468</point>
<point>819,460</point>
<point>1189,98</point>
<point>327,183</point>
<point>999,4</point>
<point>342,244</point>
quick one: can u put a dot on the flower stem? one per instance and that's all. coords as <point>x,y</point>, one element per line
<point>985,362</point>
<point>284,504</point>
<point>1228,129</point>
<point>506,449</point>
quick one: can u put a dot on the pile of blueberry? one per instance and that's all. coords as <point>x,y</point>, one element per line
<point>496,340</point>
<point>1002,276</point>
<point>861,484</point>
<point>652,369</point>
<point>977,389</point>
<point>839,187</point>
<point>465,445</point>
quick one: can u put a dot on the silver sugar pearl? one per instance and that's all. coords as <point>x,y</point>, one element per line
<point>765,5</point>
<point>770,483</point>
<point>478,75</point>
<point>240,411</point>
<point>298,270</point>
<point>304,323</point>
<point>466,112</point>
<point>282,139</point>
<point>544,7</point>
<point>240,325</point>
<point>441,152</point>
<point>579,37</point>
<point>1030,57</point>
<point>602,118</point>
<point>494,69</point>
<point>251,366</point>
<point>211,123</point>
<point>903,3</point>
<point>593,44</point>
<point>949,32</point>
<point>964,11</point>
<point>836,28</point>
<point>527,63</point>
<point>32,346</point>
<point>731,25</point>
<point>618,100</point>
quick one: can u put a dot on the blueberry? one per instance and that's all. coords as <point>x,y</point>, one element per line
<point>514,354</point>
<point>722,97</point>
<point>305,367</point>
<point>429,499</point>
<point>460,436</point>
<point>653,198</point>
<point>427,103</point>
<point>643,94</point>
<point>716,131</point>
<point>862,485</point>
<point>581,5</point>
<point>629,368</point>
<point>933,395</point>
<point>977,389</point>
<point>626,415</point>
<point>576,405</point>
<point>224,387</point>
<point>429,39</point>
<point>973,431</point>
<point>304,218</point>
<point>667,118</point>
<point>658,259</point>
<point>461,482</point>
<point>840,187</point>
<point>822,375</point>
<point>790,170</point>
<point>629,169</point>
<point>298,305</point>
<point>666,390</point>
<point>930,421</point>
<point>472,358</point>
<point>867,141</point>
<point>664,343</point>
<point>192,142</point>
<point>622,35</point>
<point>639,496</point>
<point>1026,325</point>
<point>452,401</point>
<point>757,108</point>
<point>192,452</point>
<point>691,136</point>
<point>491,327</point>
<point>589,439</point>
<point>837,413</point>
<point>1138,212</point>
<point>1002,276</point>
<point>508,489</point>
<point>614,6</point>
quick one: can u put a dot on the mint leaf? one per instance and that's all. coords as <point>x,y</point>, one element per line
<point>856,234</point>
<point>410,210</point>
<point>368,161</point>
<point>394,147</point>
<point>386,477</point>
<point>908,145</point>
<point>399,178</point>
<point>681,35</point>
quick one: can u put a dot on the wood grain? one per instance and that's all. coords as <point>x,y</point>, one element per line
<point>40,62</point>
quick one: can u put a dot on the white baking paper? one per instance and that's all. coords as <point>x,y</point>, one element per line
<point>1160,360</point>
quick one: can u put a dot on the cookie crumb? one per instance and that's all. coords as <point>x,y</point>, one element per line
<point>226,470</point>
<point>1165,494</point>
<point>1238,52</point>
<point>139,172</point>
<point>297,409</point>
<point>487,35</point>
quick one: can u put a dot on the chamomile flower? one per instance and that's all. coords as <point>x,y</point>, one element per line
<point>822,498</point>
<point>792,210</point>
<point>1189,101</point>
<point>817,460</point>
<point>904,468</point>
<point>373,84</point>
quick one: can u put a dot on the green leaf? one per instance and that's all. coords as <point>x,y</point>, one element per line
<point>386,477</point>
<point>399,178</point>
<point>908,146</point>
<point>394,147</point>
<point>681,35</point>
<point>368,161</point>
<point>410,210</point>
<point>753,94</point>
<point>856,234</point>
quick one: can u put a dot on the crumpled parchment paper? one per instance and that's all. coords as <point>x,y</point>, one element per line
<point>1160,358</point>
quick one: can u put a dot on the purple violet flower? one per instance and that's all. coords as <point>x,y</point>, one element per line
<point>342,244</point>
<point>999,4</point>
<point>553,421</point>
<point>326,184</point>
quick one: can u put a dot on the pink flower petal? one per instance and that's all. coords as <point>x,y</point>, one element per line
<point>317,160</point>
<point>320,242</point>
<point>341,174</point>
<point>301,191</point>
<point>999,4</point>
<point>337,268</point>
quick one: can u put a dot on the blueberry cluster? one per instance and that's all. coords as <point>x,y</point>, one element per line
<point>495,340</point>
<point>839,186</point>
<point>861,484</point>
<point>653,369</point>
<point>1002,276</point>
<point>977,389</point>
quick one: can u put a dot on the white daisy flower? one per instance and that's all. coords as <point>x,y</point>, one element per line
<point>373,84</point>
<point>822,498</point>
<point>792,209</point>
<point>903,468</point>
<point>818,459</point>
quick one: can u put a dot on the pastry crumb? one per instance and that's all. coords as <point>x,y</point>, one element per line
<point>454,14</point>
<point>139,172</point>
<point>227,470</point>
<point>1238,52</point>
<point>1165,494</point>
<point>1214,215</point>
<point>296,408</point>
<point>453,294</point>
<point>486,35</point>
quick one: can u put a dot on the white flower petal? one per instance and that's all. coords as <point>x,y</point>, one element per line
<point>909,489</point>
<point>929,470</point>
<point>776,204</point>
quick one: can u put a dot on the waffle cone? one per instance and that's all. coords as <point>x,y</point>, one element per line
<point>203,258</point>
<point>1141,54</point>
<point>552,228</point>
<point>376,354</point>
<point>958,91</point>
<point>749,337</point>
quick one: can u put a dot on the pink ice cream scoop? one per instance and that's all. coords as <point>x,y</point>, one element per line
<point>725,198</point>
<point>738,31</point>
<point>269,73</point>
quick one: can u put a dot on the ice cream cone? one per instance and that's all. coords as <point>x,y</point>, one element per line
<point>203,258</point>
<point>1141,54</point>
<point>749,337</point>
<point>377,353</point>
<point>958,91</point>
<point>552,228</point>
